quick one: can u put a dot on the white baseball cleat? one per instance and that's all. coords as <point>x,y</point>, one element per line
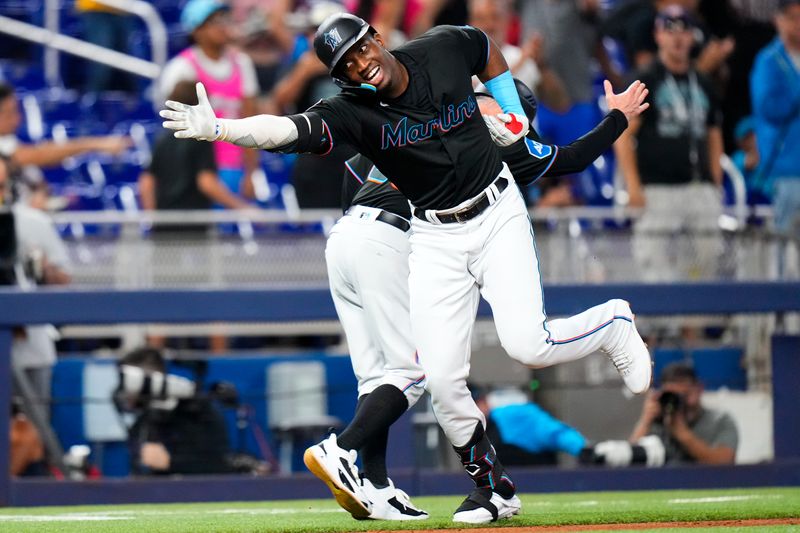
<point>390,503</point>
<point>631,357</point>
<point>337,468</point>
<point>480,509</point>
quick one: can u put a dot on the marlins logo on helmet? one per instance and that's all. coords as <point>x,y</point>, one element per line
<point>332,38</point>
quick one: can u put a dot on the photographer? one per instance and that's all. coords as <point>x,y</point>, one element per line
<point>177,429</point>
<point>688,431</point>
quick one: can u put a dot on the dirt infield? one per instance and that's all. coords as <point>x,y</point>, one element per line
<point>638,525</point>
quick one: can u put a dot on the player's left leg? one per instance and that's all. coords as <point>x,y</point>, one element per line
<point>368,271</point>
<point>329,460</point>
<point>508,272</point>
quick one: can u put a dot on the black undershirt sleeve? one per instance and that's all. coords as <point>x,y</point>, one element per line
<point>579,154</point>
<point>311,135</point>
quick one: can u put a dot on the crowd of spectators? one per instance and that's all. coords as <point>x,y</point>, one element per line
<point>255,56</point>
<point>562,50</point>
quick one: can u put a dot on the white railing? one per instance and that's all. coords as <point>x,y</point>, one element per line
<point>56,42</point>
<point>278,216</point>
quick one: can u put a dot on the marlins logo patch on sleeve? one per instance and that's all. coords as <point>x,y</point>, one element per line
<point>537,149</point>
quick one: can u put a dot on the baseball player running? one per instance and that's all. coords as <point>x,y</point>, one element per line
<point>412,111</point>
<point>367,258</point>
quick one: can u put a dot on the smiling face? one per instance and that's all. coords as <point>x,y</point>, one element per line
<point>368,61</point>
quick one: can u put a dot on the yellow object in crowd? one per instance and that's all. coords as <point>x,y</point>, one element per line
<point>91,5</point>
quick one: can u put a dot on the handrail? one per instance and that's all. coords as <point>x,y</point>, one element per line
<point>596,213</point>
<point>71,45</point>
<point>152,19</point>
<point>739,188</point>
<point>50,37</point>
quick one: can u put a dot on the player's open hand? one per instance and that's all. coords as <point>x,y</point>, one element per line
<point>192,121</point>
<point>631,102</point>
<point>506,128</point>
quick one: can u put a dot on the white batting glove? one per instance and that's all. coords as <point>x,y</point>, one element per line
<point>192,121</point>
<point>506,128</point>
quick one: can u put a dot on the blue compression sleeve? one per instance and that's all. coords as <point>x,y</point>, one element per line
<point>505,92</point>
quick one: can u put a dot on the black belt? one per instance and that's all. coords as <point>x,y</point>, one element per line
<point>469,212</point>
<point>389,218</point>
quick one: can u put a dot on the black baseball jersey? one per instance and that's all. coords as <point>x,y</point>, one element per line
<point>528,159</point>
<point>365,185</point>
<point>431,140</point>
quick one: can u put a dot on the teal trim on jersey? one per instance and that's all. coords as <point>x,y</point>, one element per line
<point>369,87</point>
<point>353,172</point>
<point>376,176</point>
<point>504,90</point>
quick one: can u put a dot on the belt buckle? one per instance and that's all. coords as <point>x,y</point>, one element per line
<point>458,215</point>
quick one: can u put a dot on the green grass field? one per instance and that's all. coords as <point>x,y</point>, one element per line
<point>325,515</point>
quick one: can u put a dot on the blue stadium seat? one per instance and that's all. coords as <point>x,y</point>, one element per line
<point>661,358</point>
<point>23,75</point>
<point>720,367</point>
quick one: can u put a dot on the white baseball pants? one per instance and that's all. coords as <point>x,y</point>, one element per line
<point>494,254</point>
<point>368,272</point>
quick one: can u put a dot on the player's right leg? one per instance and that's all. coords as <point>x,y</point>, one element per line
<point>444,300</point>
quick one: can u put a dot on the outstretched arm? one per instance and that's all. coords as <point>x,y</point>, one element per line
<point>267,132</point>
<point>580,153</point>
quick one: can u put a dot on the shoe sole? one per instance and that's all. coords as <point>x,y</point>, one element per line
<point>347,500</point>
<point>403,518</point>
<point>501,515</point>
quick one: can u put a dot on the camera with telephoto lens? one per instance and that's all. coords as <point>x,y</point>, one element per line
<point>671,403</point>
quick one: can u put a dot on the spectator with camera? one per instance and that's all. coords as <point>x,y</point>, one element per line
<point>689,432</point>
<point>178,429</point>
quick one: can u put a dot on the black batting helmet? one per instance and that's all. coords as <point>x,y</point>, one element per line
<point>336,35</point>
<point>527,99</point>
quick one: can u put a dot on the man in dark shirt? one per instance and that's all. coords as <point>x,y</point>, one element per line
<point>412,111</point>
<point>183,173</point>
<point>674,169</point>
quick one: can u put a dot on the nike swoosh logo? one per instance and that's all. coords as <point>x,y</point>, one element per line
<point>382,104</point>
